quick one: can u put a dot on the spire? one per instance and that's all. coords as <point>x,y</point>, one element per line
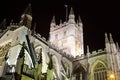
<point>3,24</point>
<point>71,11</point>
<point>113,46</point>
<point>60,21</point>
<point>26,17</point>
<point>117,46</point>
<point>111,39</point>
<point>11,22</point>
<point>106,38</point>
<point>52,24</point>
<point>88,52</point>
<point>53,20</point>
<point>71,17</point>
<point>79,19</point>
<point>34,28</point>
<point>88,49</point>
<point>107,44</point>
<point>28,10</point>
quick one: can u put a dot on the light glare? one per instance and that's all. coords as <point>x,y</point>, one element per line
<point>112,76</point>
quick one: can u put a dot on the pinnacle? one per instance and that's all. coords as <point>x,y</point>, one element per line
<point>106,38</point>
<point>3,24</point>
<point>88,49</point>
<point>53,19</point>
<point>28,10</point>
<point>117,45</point>
<point>60,21</point>
<point>111,39</point>
<point>79,19</point>
<point>71,11</point>
<point>11,22</point>
<point>34,28</point>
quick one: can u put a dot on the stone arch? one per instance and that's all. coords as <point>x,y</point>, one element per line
<point>44,48</point>
<point>38,46</point>
<point>66,69</point>
<point>45,58</point>
<point>28,60</point>
<point>79,72</point>
<point>99,71</point>
<point>38,49</point>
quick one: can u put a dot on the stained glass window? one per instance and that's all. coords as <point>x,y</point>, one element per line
<point>100,72</point>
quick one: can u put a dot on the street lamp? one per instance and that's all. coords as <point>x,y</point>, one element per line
<point>112,76</point>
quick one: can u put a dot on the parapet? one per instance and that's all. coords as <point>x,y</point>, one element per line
<point>98,52</point>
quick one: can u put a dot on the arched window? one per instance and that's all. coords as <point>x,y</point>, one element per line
<point>100,72</point>
<point>38,50</point>
<point>79,72</point>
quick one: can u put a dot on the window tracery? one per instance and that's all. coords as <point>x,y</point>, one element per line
<point>100,72</point>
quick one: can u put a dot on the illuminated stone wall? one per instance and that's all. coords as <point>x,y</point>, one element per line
<point>61,57</point>
<point>68,36</point>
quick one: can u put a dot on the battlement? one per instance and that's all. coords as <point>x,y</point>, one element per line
<point>89,55</point>
<point>43,39</point>
<point>98,52</point>
<point>61,25</point>
<point>12,26</point>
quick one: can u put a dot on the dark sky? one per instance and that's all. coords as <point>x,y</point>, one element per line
<point>98,17</point>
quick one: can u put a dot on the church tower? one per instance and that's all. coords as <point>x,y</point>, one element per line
<point>68,36</point>
<point>26,17</point>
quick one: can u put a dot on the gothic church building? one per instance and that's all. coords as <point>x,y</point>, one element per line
<point>26,55</point>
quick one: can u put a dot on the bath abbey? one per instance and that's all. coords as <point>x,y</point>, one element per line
<point>26,55</point>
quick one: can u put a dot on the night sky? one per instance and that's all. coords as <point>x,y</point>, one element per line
<point>98,17</point>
